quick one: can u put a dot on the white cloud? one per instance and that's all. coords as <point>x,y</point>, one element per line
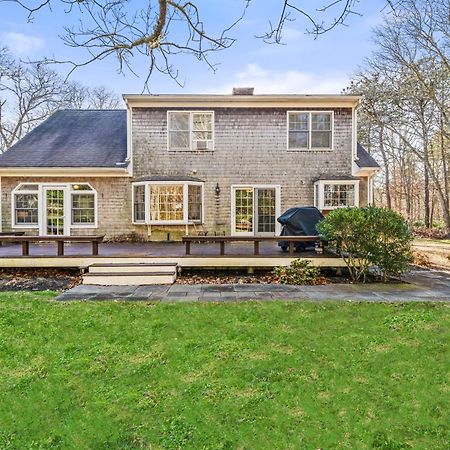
<point>22,44</point>
<point>286,82</point>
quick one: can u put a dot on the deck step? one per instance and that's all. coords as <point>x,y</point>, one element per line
<point>130,267</point>
<point>130,278</point>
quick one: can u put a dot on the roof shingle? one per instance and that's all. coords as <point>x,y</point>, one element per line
<point>364,158</point>
<point>73,138</point>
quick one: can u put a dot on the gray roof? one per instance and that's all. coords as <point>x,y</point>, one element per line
<point>73,138</point>
<point>364,158</point>
<point>331,177</point>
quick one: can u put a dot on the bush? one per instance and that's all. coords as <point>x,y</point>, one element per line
<point>367,237</point>
<point>299,272</point>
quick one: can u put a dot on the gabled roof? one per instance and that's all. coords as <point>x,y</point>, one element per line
<point>73,138</point>
<point>364,158</point>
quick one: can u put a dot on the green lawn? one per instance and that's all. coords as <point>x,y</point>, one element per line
<point>275,375</point>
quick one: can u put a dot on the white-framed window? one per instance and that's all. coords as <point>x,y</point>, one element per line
<point>332,194</point>
<point>310,130</point>
<point>168,202</point>
<point>190,130</point>
<point>82,205</point>
<point>31,204</point>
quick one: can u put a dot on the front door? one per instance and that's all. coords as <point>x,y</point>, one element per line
<point>255,210</point>
<point>55,221</point>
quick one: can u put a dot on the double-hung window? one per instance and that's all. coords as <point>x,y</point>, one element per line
<point>309,130</point>
<point>168,202</point>
<point>82,204</point>
<point>26,204</point>
<point>190,130</point>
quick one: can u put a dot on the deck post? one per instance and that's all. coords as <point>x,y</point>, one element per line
<point>256,247</point>
<point>60,248</point>
<point>222,248</point>
<point>291,247</point>
<point>25,248</point>
<point>94,248</point>
<point>188,247</point>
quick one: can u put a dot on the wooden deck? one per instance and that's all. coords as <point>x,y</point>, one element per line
<point>202,255</point>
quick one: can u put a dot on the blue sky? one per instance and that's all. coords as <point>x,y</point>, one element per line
<point>303,65</point>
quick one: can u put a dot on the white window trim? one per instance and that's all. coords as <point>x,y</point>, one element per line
<point>277,188</point>
<point>191,113</point>
<point>185,221</point>
<point>310,149</point>
<point>319,202</point>
<point>67,204</point>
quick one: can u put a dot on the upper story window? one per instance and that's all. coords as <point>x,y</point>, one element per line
<point>190,130</point>
<point>309,130</point>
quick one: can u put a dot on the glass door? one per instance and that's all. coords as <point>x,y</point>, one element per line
<point>55,220</point>
<point>265,211</point>
<point>243,211</point>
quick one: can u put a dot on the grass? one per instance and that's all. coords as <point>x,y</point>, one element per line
<point>275,375</point>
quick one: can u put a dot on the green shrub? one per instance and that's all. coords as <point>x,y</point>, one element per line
<point>367,237</point>
<point>349,229</point>
<point>299,272</point>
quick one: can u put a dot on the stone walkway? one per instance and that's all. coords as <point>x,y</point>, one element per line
<point>422,285</point>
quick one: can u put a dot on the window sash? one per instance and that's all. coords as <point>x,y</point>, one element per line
<point>166,202</point>
<point>338,195</point>
<point>139,203</point>
<point>310,130</point>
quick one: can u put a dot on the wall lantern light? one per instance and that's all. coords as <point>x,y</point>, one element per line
<point>217,189</point>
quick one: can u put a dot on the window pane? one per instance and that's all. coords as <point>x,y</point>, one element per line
<point>202,122</point>
<point>83,209</point>
<point>166,202</point>
<point>139,203</point>
<point>26,209</point>
<point>179,121</point>
<point>321,122</point>
<point>244,210</point>
<point>179,139</point>
<point>194,203</point>
<point>28,187</point>
<point>298,122</point>
<point>298,139</point>
<point>321,139</point>
<point>81,187</point>
<point>339,195</point>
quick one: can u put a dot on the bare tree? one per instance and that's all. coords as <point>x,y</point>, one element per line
<point>163,29</point>
<point>29,93</point>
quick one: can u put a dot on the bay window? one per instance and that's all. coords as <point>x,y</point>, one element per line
<point>310,130</point>
<point>331,194</point>
<point>167,203</point>
<point>190,130</point>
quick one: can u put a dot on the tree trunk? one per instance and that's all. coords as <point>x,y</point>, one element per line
<point>387,180</point>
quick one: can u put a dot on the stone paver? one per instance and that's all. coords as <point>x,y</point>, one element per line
<point>421,285</point>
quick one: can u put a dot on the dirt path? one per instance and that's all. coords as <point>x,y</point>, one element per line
<point>438,253</point>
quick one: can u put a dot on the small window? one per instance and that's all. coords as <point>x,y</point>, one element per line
<point>26,209</point>
<point>190,131</point>
<point>83,209</point>
<point>194,203</point>
<point>310,130</point>
<point>139,203</point>
<point>339,195</point>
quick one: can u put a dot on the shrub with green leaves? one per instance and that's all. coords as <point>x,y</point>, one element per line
<point>367,237</point>
<point>301,271</point>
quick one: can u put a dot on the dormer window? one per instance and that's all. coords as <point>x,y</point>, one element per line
<point>190,130</point>
<point>310,130</point>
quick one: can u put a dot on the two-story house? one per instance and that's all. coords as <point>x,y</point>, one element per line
<point>171,165</point>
